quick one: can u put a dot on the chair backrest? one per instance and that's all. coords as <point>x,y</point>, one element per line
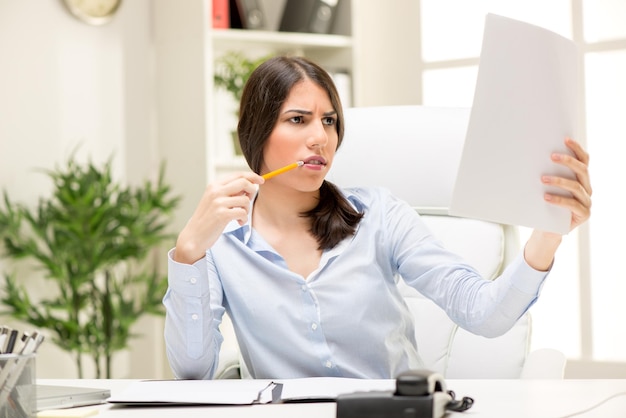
<point>415,152</point>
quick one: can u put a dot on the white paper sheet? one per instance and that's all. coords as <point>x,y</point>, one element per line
<point>313,388</point>
<point>208,392</point>
<point>242,391</point>
<point>525,104</point>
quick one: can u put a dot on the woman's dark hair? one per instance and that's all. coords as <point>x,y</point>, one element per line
<point>334,218</point>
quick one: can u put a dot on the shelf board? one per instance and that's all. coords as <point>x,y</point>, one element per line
<point>238,38</point>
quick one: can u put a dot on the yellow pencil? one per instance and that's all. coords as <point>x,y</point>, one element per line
<point>282,170</point>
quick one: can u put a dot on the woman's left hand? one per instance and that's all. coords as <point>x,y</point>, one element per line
<point>541,246</point>
<point>579,203</point>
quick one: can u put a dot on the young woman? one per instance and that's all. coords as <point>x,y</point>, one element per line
<point>306,270</point>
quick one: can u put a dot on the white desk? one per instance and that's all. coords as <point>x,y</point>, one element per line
<point>493,398</point>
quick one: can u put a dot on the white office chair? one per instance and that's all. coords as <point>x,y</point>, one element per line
<point>414,151</point>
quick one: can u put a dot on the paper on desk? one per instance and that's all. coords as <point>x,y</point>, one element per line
<point>329,388</point>
<point>525,104</point>
<point>67,413</point>
<point>209,392</point>
<point>242,391</point>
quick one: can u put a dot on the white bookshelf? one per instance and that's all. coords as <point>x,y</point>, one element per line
<point>196,119</point>
<point>332,51</point>
<point>245,39</point>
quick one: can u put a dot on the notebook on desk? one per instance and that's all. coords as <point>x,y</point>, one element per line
<point>244,391</point>
<point>56,397</point>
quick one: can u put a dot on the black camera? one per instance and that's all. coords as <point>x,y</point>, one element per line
<point>418,394</point>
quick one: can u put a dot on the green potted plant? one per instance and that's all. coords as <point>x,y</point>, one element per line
<point>91,238</point>
<point>232,71</point>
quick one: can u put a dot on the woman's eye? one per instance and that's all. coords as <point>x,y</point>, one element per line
<point>296,119</point>
<point>329,121</point>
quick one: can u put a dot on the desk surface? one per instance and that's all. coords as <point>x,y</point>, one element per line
<point>493,398</point>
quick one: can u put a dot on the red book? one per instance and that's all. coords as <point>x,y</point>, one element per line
<point>221,18</point>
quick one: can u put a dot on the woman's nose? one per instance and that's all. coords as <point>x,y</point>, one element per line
<point>317,136</point>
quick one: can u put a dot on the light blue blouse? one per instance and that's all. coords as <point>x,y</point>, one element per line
<point>347,318</point>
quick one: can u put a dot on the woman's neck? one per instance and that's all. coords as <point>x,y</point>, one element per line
<point>281,207</point>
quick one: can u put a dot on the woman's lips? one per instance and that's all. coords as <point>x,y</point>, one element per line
<point>315,161</point>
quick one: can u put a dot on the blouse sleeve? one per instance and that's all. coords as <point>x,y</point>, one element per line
<point>194,311</point>
<point>484,307</point>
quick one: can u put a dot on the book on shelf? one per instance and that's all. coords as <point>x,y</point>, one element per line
<point>311,16</point>
<point>220,14</point>
<point>246,14</point>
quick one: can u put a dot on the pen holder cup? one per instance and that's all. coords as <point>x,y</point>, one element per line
<point>18,398</point>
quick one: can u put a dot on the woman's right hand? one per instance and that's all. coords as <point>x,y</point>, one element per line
<point>223,201</point>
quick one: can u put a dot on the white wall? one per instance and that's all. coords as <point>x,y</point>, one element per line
<point>65,84</point>
<point>387,53</point>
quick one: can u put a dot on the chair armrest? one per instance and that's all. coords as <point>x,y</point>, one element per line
<point>229,360</point>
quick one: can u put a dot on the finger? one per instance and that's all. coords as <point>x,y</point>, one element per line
<point>228,208</point>
<point>220,196</point>
<point>578,166</point>
<point>581,154</point>
<point>233,202</point>
<point>241,213</point>
<point>240,201</point>
<point>581,163</point>
<point>247,175</point>
<point>241,186</point>
<point>576,189</point>
<point>580,212</point>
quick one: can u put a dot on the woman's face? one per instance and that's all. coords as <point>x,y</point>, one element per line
<point>305,131</point>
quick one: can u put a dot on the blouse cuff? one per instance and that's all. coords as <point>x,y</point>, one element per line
<point>187,279</point>
<point>527,279</point>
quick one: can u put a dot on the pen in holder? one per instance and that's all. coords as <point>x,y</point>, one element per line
<point>17,386</point>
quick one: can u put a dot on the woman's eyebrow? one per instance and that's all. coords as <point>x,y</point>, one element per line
<point>299,111</point>
<point>308,112</point>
